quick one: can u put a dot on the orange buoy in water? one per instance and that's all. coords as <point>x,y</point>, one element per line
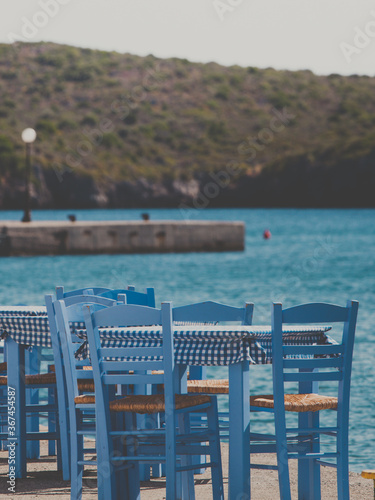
<point>267,234</point>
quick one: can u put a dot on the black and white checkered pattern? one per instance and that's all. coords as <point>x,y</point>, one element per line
<point>194,344</point>
<point>23,311</point>
<point>27,330</point>
<point>212,345</point>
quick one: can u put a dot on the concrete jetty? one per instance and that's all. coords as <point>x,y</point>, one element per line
<point>97,237</point>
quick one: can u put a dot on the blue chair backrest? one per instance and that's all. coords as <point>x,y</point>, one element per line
<point>214,312</point>
<point>132,297</point>
<point>90,290</point>
<point>141,360</point>
<point>310,364</point>
<point>61,314</point>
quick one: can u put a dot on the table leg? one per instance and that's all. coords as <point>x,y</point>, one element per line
<point>239,432</point>
<point>197,372</point>
<point>16,380</point>
<point>144,422</point>
<point>308,470</point>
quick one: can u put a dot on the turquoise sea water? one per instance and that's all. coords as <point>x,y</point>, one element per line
<point>313,255</point>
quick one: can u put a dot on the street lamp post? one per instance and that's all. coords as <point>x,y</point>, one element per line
<point>28,137</point>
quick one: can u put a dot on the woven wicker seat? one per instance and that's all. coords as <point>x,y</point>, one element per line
<point>147,404</point>
<point>86,385</point>
<point>208,386</point>
<point>297,402</point>
<point>50,378</point>
<point>85,399</point>
<point>154,372</point>
<point>43,378</point>
<point>40,378</point>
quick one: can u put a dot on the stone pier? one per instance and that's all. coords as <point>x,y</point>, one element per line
<point>98,237</point>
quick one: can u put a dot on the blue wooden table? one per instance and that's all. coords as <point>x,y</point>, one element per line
<point>18,365</point>
<point>200,345</point>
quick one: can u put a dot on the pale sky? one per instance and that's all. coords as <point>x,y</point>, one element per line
<point>326,36</point>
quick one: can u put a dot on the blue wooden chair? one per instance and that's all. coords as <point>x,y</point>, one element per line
<point>211,313</point>
<point>307,366</point>
<point>36,410</point>
<point>129,295</point>
<point>172,444</point>
<point>74,304</point>
<point>132,297</point>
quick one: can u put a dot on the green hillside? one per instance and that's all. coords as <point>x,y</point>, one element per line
<point>122,130</point>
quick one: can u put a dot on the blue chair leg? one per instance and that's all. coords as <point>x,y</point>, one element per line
<point>120,468</point>
<point>62,422</point>
<point>144,469</point>
<point>133,475</point>
<point>104,449</point>
<point>215,452</point>
<point>59,453</point>
<point>156,469</point>
<point>342,461</point>
<point>185,480</point>
<point>170,465</point>
<point>315,466</point>
<point>282,457</point>
<point>51,421</point>
<point>54,447</point>
<point>32,398</point>
<point>76,470</point>
<point>198,373</point>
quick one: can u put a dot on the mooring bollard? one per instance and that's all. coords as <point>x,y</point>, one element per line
<point>369,474</point>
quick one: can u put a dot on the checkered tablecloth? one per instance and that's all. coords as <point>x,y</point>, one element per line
<point>212,345</point>
<point>23,311</point>
<point>27,330</point>
<point>28,325</point>
<point>194,344</point>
